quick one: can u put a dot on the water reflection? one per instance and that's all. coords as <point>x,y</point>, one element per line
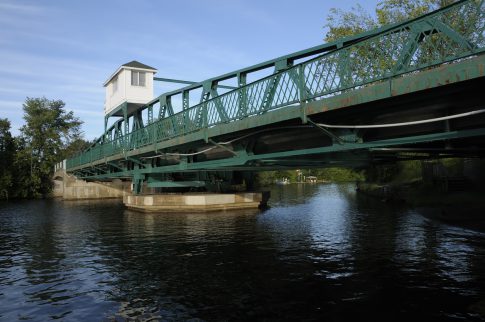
<point>320,252</point>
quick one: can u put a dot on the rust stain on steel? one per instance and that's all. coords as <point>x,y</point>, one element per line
<point>348,101</point>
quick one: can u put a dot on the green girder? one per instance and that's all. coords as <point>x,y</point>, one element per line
<point>432,40</point>
<point>240,160</point>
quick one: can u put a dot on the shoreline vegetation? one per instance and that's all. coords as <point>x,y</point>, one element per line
<point>49,135</point>
<point>266,178</point>
<point>446,189</point>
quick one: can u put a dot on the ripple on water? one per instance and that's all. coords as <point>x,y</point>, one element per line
<point>320,253</point>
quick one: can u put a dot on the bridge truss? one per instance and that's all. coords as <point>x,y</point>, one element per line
<point>358,81</point>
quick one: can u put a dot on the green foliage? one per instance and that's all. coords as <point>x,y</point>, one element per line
<point>342,23</point>
<point>402,171</point>
<point>334,174</point>
<point>76,145</point>
<point>48,131</point>
<point>265,178</point>
<point>394,11</point>
<point>50,134</point>
<point>411,170</point>
<point>381,173</point>
<point>26,184</point>
<point>7,154</point>
<point>339,174</point>
<point>454,166</point>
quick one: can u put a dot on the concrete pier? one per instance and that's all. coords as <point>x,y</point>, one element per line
<point>69,187</point>
<point>196,202</point>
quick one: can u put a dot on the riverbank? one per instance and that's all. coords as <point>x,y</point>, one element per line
<point>466,205</point>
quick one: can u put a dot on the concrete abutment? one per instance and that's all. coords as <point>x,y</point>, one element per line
<point>69,187</point>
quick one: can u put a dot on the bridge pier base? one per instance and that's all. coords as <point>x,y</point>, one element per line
<point>196,202</point>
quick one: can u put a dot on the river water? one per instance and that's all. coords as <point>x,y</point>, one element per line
<point>320,253</point>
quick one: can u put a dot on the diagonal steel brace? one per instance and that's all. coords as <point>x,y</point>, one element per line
<point>338,139</point>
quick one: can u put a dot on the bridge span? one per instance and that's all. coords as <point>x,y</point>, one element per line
<point>405,91</point>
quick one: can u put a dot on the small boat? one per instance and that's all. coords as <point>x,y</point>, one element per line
<point>282,181</point>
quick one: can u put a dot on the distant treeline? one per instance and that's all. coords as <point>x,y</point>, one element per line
<point>50,134</point>
<point>327,174</point>
<point>397,172</point>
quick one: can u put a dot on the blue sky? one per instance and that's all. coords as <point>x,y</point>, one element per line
<point>66,49</point>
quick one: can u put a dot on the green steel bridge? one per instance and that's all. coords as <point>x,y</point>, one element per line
<point>405,91</point>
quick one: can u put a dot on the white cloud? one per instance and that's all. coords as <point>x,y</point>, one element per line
<point>15,16</point>
<point>17,7</point>
<point>11,90</point>
<point>10,106</point>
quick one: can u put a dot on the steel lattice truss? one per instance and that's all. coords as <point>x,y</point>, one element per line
<point>447,36</point>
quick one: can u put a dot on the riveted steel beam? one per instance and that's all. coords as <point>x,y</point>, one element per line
<point>379,57</point>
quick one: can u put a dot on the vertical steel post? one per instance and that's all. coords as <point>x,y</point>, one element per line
<point>242,95</point>
<point>105,125</point>
<point>205,123</point>
<point>126,125</point>
<point>150,114</point>
<point>302,92</point>
<point>185,108</point>
<point>185,100</point>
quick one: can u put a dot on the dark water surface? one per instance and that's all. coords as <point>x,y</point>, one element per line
<point>321,253</point>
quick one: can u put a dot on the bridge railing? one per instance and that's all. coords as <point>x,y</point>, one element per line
<point>449,34</point>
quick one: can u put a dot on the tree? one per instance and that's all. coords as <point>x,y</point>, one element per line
<point>7,155</point>
<point>25,181</point>
<point>342,23</point>
<point>48,131</point>
<point>75,146</point>
<point>393,11</point>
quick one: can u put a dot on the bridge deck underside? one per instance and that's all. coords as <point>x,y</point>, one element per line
<point>288,137</point>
